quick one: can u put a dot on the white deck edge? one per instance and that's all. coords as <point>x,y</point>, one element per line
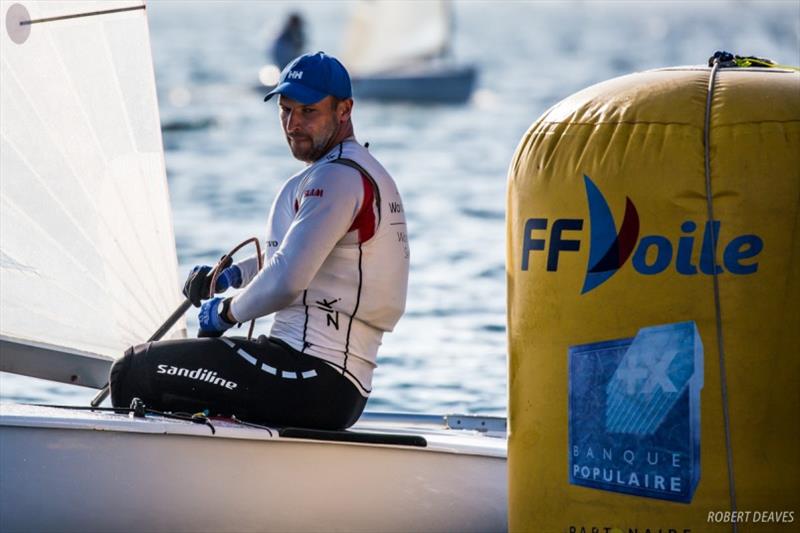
<point>44,417</point>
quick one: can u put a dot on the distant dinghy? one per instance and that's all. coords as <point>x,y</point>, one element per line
<point>402,51</point>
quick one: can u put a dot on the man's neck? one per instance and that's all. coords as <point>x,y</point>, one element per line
<point>333,145</point>
<point>343,134</point>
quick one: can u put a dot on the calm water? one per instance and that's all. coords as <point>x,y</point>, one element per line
<point>226,157</point>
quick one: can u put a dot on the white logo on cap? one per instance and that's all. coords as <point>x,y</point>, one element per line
<point>295,75</point>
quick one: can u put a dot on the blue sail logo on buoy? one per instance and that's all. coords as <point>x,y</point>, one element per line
<point>608,250</point>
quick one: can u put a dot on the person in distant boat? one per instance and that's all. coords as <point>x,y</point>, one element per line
<point>335,276</point>
<point>290,41</point>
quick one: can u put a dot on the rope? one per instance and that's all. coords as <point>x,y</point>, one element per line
<point>758,62</point>
<point>252,425</point>
<point>717,307</point>
<point>226,260</point>
<point>139,410</point>
<point>727,59</point>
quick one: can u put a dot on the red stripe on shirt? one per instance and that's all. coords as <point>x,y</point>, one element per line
<point>365,219</point>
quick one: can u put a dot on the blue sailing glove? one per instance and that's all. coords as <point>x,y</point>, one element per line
<point>211,322</point>
<point>198,284</point>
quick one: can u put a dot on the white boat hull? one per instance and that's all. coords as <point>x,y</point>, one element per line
<point>72,470</point>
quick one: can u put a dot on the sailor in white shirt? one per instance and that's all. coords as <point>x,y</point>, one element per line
<point>335,275</point>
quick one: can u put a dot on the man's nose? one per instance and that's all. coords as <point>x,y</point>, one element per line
<point>292,121</point>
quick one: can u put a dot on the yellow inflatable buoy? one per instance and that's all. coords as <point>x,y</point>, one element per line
<point>654,306</point>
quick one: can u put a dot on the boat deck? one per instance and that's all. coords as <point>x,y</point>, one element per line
<point>438,434</point>
<point>102,471</point>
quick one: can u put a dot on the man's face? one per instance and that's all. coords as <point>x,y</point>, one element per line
<point>309,128</point>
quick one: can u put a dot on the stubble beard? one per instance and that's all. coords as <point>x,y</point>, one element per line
<point>319,145</point>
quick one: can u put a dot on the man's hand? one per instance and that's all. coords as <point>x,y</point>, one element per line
<point>212,323</point>
<point>198,284</point>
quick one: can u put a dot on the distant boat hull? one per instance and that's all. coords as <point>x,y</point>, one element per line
<point>76,470</point>
<point>428,84</point>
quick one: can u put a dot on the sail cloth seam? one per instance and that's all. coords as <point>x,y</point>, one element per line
<point>79,15</point>
<point>147,258</point>
<point>145,185</point>
<point>55,242</point>
<point>58,57</point>
<point>715,278</point>
<point>153,301</point>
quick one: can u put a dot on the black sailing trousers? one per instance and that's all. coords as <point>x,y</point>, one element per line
<point>264,381</point>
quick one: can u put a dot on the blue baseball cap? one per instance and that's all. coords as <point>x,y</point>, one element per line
<point>311,77</point>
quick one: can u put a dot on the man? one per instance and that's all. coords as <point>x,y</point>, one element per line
<point>335,275</point>
<point>290,42</point>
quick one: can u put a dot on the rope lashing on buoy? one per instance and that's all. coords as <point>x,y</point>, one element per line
<point>718,60</point>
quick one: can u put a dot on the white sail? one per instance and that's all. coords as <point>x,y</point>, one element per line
<point>389,34</point>
<point>87,250</point>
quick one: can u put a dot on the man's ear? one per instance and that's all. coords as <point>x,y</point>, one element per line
<point>344,109</point>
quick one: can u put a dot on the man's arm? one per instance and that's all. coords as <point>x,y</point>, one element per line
<point>330,201</point>
<point>249,268</point>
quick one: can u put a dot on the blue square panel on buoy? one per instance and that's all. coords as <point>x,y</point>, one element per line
<point>634,413</point>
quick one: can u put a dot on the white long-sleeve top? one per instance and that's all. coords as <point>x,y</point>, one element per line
<point>336,262</point>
